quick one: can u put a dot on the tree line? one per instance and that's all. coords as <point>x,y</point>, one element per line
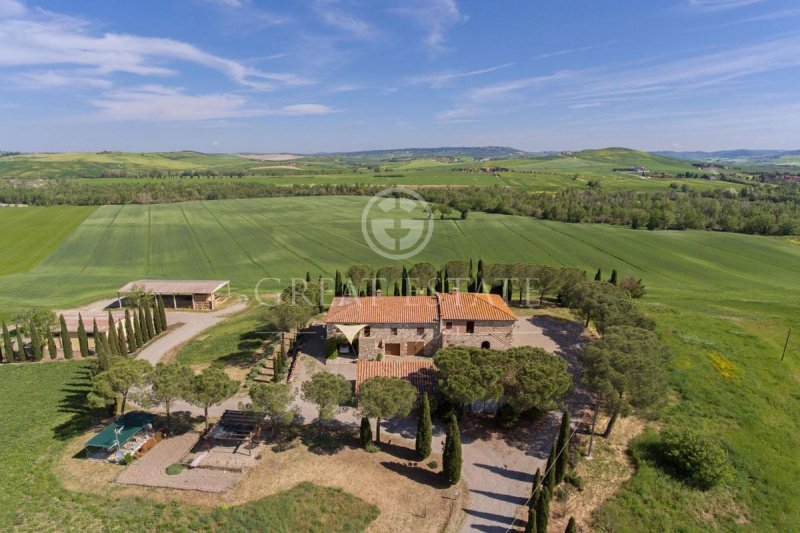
<point>763,210</point>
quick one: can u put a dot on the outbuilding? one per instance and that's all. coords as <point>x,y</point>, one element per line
<point>199,294</point>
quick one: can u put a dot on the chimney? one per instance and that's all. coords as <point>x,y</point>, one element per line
<point>378,292</point>
<point>454,290</point>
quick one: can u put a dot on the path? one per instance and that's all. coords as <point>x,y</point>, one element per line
<point>191,324</point>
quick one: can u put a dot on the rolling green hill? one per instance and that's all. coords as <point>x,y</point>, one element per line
<point>422,167</point>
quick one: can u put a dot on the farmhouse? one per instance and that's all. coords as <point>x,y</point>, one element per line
<point>420,325</point>
<point>180,294</point>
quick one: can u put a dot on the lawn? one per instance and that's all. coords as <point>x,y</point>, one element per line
<point>34,500</point>
<point>232,342</point>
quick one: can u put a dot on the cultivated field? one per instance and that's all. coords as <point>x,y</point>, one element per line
<point>549,173</point>
<point>723,302</point>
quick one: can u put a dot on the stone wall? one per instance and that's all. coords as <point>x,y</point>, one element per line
<point>382,334</point>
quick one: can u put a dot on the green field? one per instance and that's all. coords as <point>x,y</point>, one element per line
<point>30,234</point>
<point>550,173</point>
<point>232,342</point>
<point>724,295</point>
<point>33,500</point>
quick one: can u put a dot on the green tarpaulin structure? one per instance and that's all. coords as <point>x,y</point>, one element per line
<point>120,431</point>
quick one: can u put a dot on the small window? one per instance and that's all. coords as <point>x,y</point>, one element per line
<point>470,327</point>
<point>367,332</point>
<point>394,331</point>
<point>448,325</point>
<point>420,331</point>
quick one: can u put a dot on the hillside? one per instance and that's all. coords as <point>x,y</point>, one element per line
<point>475,152</point>
<point>741,156</point>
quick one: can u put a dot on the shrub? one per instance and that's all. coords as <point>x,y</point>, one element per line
<point>506,417</point>
<point>128,458</point>
<point>365,432</point>
<point>433,465</point>
<point>574,479</point>
<point>371,447</point>
<point>694,458</point>
<point>174,469</point>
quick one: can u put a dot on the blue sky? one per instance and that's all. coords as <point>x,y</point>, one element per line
<point>328,75</point>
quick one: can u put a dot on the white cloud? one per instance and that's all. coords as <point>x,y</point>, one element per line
<point>51,79</point>
<point>50,39</point>
<point>719,5</point>
<point>440,80</point>
<point>307,109</point>
<point>346,22</point>
<point>436,17</point>
<point>11,8</point>
<point>165,104</point>
<point>158,103</point>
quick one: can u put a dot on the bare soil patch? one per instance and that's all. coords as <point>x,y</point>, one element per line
<point>410,495</point>
<point>602,476</point>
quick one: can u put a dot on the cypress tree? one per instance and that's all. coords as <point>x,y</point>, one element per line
<point>7,344</point>
<point>66,341</point>
<point>162,313</point>
<point>100,340</point>
<point>550,472</point>
<point>137,329</point>
<point>113,341</point>
<point>406,290</point>
<point>308,276</point>
<point>51,345</point>
<point>101,350</point>
<point>1,355</point>
<point>613,279</point>
<point>396,289</point>
<point>599,275</point>
<point>530,525</point>
<point>451,456</point>
<point>21,355</point>
<point>148,322</point>
<point>143,325</point>
<point>36,341</point>
<point>562,445</point>
<point>424,428</point>
<point>337,284</point>
<point>446,282</point>
<point>542,511</point>
<point>83,340</point>
<point>130,336</point>
<point>535,487</point>
<point>572,527</point>
<point>122,345</point>
<point>365,432</point>
<point>471,281</point>
<point>158,325</point>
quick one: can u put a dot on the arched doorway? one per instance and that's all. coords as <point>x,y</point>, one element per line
<point>485,345</point>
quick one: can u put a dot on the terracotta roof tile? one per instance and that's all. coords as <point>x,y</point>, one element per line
<point>420,372</point>
<point>474,306</point>
<point>383,310</point>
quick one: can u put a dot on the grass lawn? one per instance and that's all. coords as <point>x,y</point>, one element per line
<point>34,500</point>
<point>231,342</point>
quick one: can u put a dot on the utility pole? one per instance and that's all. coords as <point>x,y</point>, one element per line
<point>786,344</point>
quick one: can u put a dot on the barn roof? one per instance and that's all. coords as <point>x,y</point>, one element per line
<point>382,310</point>
<point>176,286</point>
<point>419,372</point>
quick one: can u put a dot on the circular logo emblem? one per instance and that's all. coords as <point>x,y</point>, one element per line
<point>397,223</point>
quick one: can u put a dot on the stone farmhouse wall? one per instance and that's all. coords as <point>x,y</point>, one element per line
<point>498,334</point>
<point>411,342</point>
